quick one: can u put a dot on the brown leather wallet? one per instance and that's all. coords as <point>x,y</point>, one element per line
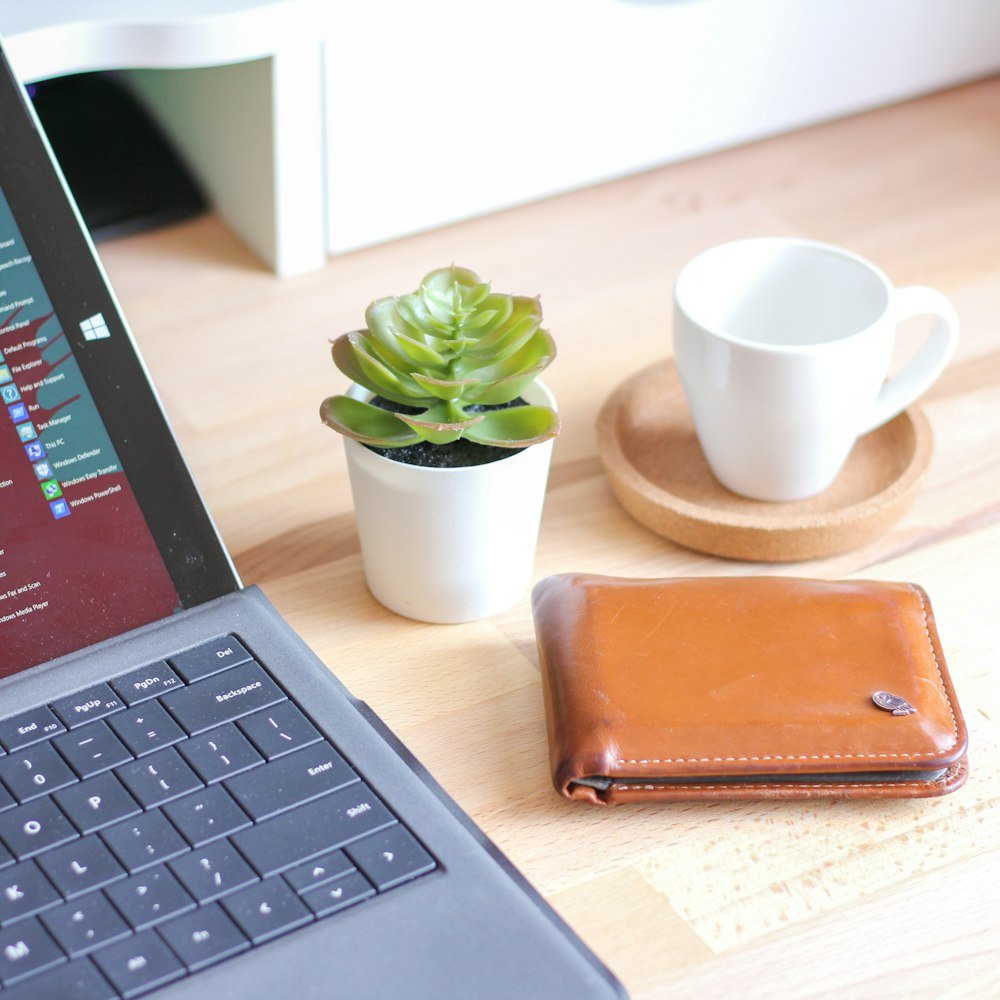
<point>745,687</point>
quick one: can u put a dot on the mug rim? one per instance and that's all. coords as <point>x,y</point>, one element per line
<point>786,241</point>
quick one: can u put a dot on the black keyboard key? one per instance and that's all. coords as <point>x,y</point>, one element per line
<point>96,803</point>
<point>139,964</point>
<point>158,778</point>
<point>92,749</point>
<point>390,857</point>
<point>279,730</point>
<point>25,949</point>
<point>313,829</point>
<point>80,866</point>
<point>146,728</point>
<point>299,777</point>
<point>69,981</point>
<point>207,815</point>
<point>222,698</point>
<point>85,706</point>
<point>144,841</point>
<point>147,682</point>
<point>150,897</point>
<point>267,909</point>
<point>220,753</point>
<point>325,868</point>
<point>29,727</point>
<point>213,871</point>
<point>209,658</point>
<point>24,890</point>
<point>338,895</point>
<point>204,938</point>
<point>85,924</point>
<point>36,826</point>
<point>34,772</point>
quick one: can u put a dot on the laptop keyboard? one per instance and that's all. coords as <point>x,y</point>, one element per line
<point>163,822</point>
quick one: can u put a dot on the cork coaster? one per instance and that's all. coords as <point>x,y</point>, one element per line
<point>660,476</point>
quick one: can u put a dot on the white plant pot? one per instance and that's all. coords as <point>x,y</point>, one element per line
<point>449,545</point>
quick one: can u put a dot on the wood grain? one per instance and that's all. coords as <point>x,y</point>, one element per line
<point>776,900</point>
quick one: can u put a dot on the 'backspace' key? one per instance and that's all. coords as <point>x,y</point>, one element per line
<point>222,698</point>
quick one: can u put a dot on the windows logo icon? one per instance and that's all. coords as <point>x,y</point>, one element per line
<point>95,328</point>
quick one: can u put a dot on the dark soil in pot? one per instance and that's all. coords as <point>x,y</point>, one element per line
<point>456,454</point>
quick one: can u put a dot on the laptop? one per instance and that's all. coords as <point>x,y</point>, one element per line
<point>191,805</point>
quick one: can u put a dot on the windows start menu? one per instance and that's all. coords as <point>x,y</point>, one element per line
<point>77,561</point>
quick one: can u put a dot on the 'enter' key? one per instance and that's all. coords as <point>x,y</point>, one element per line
<point>303,775</point>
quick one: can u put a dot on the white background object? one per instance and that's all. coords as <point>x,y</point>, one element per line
<point>443,109</point>
<point>346,125</point>
<point>783,346</point>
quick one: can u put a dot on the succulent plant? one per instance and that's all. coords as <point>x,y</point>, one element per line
<point>446,353</point>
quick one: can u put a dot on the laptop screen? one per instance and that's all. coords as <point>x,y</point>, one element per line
<point>101,528</point>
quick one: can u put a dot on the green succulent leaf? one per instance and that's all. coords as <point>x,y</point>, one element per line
<point>534,355</point>
<point>476,294</point>
<point>440,431</point>
<point>397,364</point>
<point>384,328</point>
<point>444,279</point>
<point>505,389</point>
<point>387,329</point>
<point>423,355</point>
<point>445,388</point>
<point>451,296</point>
<point>514,338</point>
<point>346,358</point>
<point>442,311</point>
<point>479,320</point>
<point>366,423</point>
<point>343,357</point>
<point>515,427</point>
<point>494,311</point>
<point>414,314</point>
<point>524,318</point>
<point>381,378</point>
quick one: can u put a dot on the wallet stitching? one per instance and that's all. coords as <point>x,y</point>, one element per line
<point>943,779</point>
<point>937,663</point>
<point>763,784</point>
<point>829,756</point>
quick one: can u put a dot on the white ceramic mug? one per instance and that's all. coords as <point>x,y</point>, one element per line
<point>783,347</point>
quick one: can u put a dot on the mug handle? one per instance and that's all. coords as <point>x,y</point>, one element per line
<point>918,376</point>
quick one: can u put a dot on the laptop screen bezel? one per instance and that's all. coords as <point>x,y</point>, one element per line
<point>77,286</point>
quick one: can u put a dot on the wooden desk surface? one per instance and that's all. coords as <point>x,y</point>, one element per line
<point>818,899</point>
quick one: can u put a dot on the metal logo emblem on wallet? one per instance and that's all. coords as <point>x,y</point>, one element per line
<point>893,703</point>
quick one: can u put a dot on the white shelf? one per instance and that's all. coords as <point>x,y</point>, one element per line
<point>242,99</point>
<point>47,38</point>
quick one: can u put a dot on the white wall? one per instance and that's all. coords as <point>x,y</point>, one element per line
<point>442,109</point>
